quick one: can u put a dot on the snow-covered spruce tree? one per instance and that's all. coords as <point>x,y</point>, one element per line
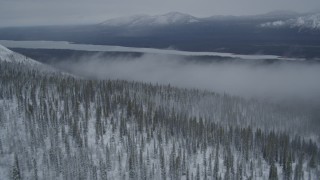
<point>16,174</point>
<point>273,173</point>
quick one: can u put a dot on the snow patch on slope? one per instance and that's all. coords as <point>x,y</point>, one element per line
<point>147,20</point>
<point>303,22</point>
<point>273,24</point>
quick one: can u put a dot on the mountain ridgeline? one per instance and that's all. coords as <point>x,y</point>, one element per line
<point>277,33</point>
<point>58,126</point>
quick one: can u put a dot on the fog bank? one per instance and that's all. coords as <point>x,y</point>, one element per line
<point>280,80</point>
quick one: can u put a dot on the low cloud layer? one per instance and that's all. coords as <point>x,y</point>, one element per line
<point>282,80</point>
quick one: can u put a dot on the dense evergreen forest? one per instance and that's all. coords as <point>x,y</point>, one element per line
<point>58,126</point>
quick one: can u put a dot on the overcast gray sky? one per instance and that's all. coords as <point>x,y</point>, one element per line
<point>50,12</point>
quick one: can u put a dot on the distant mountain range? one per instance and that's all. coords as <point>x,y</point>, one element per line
<point>282,33</point>
<point>172,18</point>
<point>281,19</point>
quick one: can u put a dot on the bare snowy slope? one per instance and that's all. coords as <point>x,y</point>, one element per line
<point>6,55</point>
<point>9,56</point>
<point>147,20</point>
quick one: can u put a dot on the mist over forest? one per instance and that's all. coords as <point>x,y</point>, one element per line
<point>280,80</point>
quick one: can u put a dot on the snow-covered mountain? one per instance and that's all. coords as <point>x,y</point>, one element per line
<point>156,20</point>
<point>52,127</point>
<point>311,21</point>
<point>9,56</point>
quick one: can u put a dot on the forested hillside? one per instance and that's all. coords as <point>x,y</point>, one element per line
<point>56,126</point>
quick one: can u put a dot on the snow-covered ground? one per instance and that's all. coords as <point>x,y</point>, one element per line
<point>66,128</point>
